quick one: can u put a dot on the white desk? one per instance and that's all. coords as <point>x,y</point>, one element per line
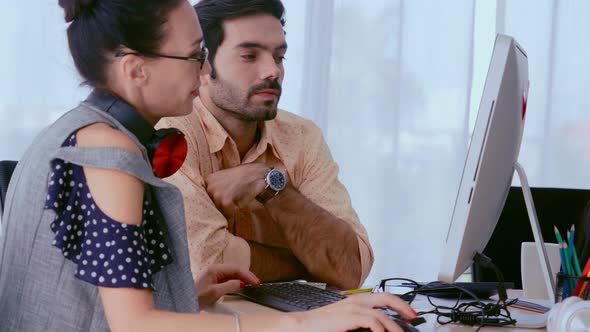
<point>230,304</point>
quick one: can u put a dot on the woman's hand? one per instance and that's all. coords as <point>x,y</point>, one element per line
<point>219,279</point>
<point>356,312</point>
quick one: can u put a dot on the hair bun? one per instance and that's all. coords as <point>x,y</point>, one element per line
<point>73,8</point>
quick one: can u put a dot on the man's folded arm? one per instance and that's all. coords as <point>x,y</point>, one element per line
<point>210,241</point>
<point>275,264</point>
<point>318,221</point>
<point>327,246</point>
<point>208,237</point>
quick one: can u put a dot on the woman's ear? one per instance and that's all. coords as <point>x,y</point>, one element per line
<point>204,78</point>
<point>204,75</point>
<point>134,69</point>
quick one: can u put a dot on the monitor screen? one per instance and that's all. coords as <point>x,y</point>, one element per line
<point>493,152</point>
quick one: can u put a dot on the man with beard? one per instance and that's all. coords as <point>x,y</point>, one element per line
<point>260,186</point>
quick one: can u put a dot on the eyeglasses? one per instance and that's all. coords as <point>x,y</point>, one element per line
<point>200,56</point>
<point>402,287</point>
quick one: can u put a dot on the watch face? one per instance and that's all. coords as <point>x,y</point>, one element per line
<point>276,180</point>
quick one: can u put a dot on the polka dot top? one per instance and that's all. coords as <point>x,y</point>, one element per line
<point>107,253</point>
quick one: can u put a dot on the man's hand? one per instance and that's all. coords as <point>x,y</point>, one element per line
<point>216,280</point>
<point>233,188</point>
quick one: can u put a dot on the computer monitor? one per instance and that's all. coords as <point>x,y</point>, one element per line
<point>490,163</point>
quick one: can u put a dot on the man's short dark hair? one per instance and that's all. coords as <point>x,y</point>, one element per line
<point>212,14</point>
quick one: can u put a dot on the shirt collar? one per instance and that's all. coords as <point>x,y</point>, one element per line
<point>266,129</point>
<point>214,131</point>
<point>218,137</point>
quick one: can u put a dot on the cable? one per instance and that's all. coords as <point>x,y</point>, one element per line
<point>474,313</point>
<point>486,262</point>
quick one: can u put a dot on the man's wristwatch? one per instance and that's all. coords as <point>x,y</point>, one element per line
<point>275,182</point>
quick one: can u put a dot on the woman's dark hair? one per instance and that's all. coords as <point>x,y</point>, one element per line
<point>101,27</point>
<point>212,13</point>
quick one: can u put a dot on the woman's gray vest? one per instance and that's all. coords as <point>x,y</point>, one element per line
<point>38,290</point>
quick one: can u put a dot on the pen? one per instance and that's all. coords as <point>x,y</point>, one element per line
<point>570,238</point>
<point>570,266</point>
<point>565,271</point>
<point>557,234</point>
<point>357,291</point>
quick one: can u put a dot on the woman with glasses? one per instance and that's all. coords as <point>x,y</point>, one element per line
<point>92,238</point>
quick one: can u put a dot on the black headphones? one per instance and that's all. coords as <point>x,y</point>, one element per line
<point>167,148</point>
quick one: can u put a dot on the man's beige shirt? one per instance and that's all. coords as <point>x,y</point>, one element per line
<point>288,142</point>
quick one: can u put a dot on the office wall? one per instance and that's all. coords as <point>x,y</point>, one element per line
<point>395,86</point>
<point>399,96</point>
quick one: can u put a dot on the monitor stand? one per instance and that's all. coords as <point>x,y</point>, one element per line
<point>536,228</point>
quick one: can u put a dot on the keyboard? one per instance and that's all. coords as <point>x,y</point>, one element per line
<point>290,297</point>
<point>296,297</point>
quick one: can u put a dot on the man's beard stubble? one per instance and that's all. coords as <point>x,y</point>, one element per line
<point>227,98</point>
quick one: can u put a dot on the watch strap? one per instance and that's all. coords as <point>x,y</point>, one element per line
<point>266,195</point>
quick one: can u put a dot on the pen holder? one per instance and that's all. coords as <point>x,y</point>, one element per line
<point>570,285</point>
